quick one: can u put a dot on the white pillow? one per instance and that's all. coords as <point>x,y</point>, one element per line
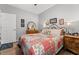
<point>46,31</point>
<point>54,32</point>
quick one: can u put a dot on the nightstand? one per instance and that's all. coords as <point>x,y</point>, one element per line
<point>72,43</point>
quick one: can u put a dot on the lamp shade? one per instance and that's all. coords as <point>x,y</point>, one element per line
<point>68,23</point>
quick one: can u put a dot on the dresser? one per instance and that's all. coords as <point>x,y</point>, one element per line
<point>72,43</point>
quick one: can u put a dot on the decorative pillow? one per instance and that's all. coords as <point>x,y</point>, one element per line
<point>54,32</point>
<point>46,31</point>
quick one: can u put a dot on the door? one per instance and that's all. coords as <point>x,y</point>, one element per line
<point>8,28</point>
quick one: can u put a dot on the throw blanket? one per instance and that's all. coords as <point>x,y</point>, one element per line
<point>40,44</point>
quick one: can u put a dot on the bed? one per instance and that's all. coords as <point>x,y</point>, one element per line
<point>47,42</point>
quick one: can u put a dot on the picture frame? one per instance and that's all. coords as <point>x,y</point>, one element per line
<point>53,20</point>
<point>31,24</point>
<point>22,22</point>
<point>61,21</point>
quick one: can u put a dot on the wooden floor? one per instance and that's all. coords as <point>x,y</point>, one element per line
<point>65,52</point>
<point>15,51</point>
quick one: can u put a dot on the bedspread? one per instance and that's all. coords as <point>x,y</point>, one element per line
<point>40,44</point>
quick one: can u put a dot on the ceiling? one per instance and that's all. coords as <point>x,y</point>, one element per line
<point>39,8</point>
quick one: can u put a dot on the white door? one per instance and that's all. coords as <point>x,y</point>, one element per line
<point>8,28</point>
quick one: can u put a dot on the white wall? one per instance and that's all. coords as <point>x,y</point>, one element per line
<point>66,11</point>
<point>19,14</point>
<point>74,27</point>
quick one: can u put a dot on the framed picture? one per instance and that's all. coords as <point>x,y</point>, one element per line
<point>22,23</point>
<point>61,21</point>
<point>53,20</point>
<point>31,25</point>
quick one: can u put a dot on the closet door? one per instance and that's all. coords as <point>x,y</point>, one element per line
<point>8,28</point>
<point>1,26</point>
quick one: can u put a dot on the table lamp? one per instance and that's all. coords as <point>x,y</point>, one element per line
<point>68,24</point>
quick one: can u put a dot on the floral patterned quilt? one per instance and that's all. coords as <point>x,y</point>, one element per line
<point>40,44</point>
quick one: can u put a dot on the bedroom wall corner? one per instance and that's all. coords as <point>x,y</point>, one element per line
<point>20,14</point>
<point>69,12</point>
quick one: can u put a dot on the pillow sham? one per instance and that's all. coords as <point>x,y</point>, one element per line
<point>53,32</point>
